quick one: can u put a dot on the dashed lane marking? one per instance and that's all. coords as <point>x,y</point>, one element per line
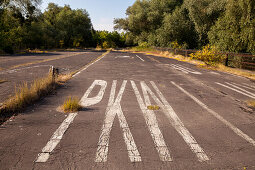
<point>139,57</point>
<point>216,115</point>
<point>236,90</point>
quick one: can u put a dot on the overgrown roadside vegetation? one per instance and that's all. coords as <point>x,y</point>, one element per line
<point>207,58</point>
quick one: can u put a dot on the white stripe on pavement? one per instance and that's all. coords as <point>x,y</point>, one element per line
<point>216,115</point>
<point>85,101</point>
<point>178,125</point>
<point>244,86</point>
<point>184,69</point>
<point>91,64</point>
<point>55,139</point>
<point>140,58</point>
<point>112,109</point>
<point>249,85</point>
<point>235,90</point>
<point>178,68</point>
<point>250,93</point>
<point>152,124</point>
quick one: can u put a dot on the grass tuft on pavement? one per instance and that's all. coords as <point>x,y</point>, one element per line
<point>71,104</point>
<point>251,103</point>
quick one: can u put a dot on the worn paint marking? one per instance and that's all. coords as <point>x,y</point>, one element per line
<point>243,93</point>
<point>216,115</point>
<point>239,88</point>
<point>139,57</point>
<point>113,109</point>
<point>177,123</point>
<point>55,139</point>
<point>152,124</point>
<point>85,101</point>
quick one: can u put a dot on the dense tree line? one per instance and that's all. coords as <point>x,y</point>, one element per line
<point>23,25</point>
<point>227,24</point>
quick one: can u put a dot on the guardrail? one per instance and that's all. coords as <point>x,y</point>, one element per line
<point>236,60</point>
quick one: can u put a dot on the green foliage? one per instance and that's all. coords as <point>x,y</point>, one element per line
<point>209,54</point>
<point>235,30</point>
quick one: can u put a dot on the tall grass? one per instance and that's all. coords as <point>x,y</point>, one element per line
<point>25,94</point>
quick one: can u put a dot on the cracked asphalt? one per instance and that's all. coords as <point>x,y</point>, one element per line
<point>203,121</point>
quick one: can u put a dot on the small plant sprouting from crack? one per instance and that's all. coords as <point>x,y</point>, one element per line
<point>71,104</point>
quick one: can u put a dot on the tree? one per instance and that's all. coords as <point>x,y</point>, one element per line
<point>235,30</point>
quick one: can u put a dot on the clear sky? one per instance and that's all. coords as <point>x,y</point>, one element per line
<point>102,12</point>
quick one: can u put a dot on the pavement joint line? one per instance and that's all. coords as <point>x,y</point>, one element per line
<point>238,91</point>
<point>219,117</point>
<point>89,64</point>
<point>139,57</point>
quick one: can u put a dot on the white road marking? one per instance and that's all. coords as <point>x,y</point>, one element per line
<point>85,101</point>
<point>212,72</point>
<point>177,123</point>
<point>55,139</point>
<point>58,134</point>
<point>178,68</point>
<point>122,57</point>
<point>15,70</point>
<point>249,85</point>
<point>235,90</point>
<point>90,64</point>
<point>216,115</point>
<point>140,58</point>
<point>114,108</point>
<point>245,86</point>
<point>184,69</point>
<point>250,93</point>
<point>152,124</point>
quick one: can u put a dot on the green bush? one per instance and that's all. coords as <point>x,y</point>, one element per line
<point>209,54</point>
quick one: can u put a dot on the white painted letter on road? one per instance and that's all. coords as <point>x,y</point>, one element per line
<point>85,101</point>
<point>112,109</point>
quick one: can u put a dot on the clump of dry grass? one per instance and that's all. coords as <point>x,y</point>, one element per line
<point>63,78</point>
<point>2,81</point>
<point>25,94</point>
<point>71,104</point>
<point>251,103</point>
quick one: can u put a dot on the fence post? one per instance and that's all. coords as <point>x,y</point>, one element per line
<point>226,61</point>
<point>174,51</point>
<point>186,53</point>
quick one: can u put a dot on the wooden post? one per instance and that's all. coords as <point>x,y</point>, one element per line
<point>226,61</point>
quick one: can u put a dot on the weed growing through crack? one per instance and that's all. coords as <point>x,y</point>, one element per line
<point>71,104</point>
<point>251,103</point>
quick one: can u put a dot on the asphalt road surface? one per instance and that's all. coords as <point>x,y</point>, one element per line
<point>139,112</point>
